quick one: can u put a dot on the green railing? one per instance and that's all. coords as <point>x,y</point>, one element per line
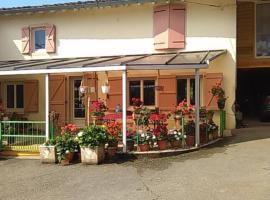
<point>22,135</point>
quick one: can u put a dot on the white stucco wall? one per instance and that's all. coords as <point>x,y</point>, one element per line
<point>129,30</point>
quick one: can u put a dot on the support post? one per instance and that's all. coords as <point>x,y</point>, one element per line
<point>47,121</point>
<point>197,107</point>
<point>124,109</point>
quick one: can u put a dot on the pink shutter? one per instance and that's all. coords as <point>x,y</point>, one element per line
<point>25,39</point>
<point>31,96</point>
<point>161,26</point>
<point>209,81</point>
<point>115,93</point>
<point>167,96</point>
<point>177,27</point>
<point>50,38</point>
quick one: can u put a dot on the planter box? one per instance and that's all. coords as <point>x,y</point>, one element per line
<point>47,154</point>
<point>92,156</point>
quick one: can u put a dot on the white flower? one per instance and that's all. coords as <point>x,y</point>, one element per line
<point>143,135</point>
<point>185,136</point>
<point>80,134</point>
<point>175,132</point>
<point>154,137</point>
<point>67,151</point>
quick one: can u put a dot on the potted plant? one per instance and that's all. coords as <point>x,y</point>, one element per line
<point>144,139</point>
<point>203,133</point>
<point>66,144</point>
<point>160,133</point>
<point>48,152</point>
<point>99,109</point>
<point>92,140</point>
<point>113,130</point>
<point>175,138</point>
<point>219,93</point>
<point>189,129</point>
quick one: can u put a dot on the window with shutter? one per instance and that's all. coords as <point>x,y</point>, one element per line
<point>169,26</point>
<point>50,39</point>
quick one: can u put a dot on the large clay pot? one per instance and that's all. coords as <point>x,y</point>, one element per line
<point>68,158</point>
<point>47,154</point>
<point>190,140</point>
<point>176,144</point>
<point>92,156</point>
<point>203,138</point>
<point>162,144</point>
<point>144,147</point>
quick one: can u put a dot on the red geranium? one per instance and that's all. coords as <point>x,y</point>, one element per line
<point>70,128</point>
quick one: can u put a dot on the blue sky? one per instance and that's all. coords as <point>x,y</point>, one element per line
<point>14,3</point>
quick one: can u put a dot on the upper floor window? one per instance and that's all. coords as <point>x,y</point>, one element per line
<point>262,30</point>
<point>39,38</point>
<point>186,90</point>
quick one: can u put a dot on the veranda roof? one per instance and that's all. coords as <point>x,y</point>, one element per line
<point>176,60</point>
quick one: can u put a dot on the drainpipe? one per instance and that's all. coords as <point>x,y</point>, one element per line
<point>47,107</point>
<point>124,109</point>
<point>197,107</point>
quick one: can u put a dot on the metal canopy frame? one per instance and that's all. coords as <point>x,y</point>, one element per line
<point>98,64</point>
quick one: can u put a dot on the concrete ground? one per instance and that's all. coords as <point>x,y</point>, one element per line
<point>235,168</point>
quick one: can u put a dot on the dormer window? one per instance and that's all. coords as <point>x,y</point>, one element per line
<point>39,38</point>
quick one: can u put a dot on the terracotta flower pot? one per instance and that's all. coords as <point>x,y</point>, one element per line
<point>203,138</point>
<point>130,145</point>
<point>176,144</point>
<point>190,140</point>
<point>162,144</point>
<point>144,147</point>
<point>68,158</point>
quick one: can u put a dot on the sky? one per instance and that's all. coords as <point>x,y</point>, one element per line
<point>15,3</point>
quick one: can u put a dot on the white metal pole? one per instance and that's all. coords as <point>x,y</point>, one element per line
<point>197,107</point>
<point>124,109</point>
<point>47,129</point>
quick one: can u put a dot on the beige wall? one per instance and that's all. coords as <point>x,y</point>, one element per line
<point>128,30</point>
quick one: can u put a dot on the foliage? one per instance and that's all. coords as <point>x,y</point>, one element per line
<point>144,137</point>
<point>142,116</point>
<point>160,132</point>
<point>219,93</point>
<point>50,142</point>
<point>136,102</point>
<point>189,127</point>
<point>212,127</point>
<point>65,144</point>
<point>157,118</point>
<point>70,129</point>
<point>92,136</point>
<point>184,108</point>
<point>99,108</point>
<point>174,135</point>
<point>114,129</point>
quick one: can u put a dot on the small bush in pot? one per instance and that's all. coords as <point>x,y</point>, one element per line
<point>114,130</point>
<point>160,133</point>
<point>66,144</point>
<point>175,138</point>
<point>144,139</point>
<point>48,152</point>
<point>92,140</point>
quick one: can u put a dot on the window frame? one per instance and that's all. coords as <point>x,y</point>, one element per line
<point>255,30</point>
<point>141,90</point>
<point>14,109</point>
<point>73,99</point>
<point>33,39</point>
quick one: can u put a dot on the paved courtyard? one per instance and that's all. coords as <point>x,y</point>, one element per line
<point>236,168</point>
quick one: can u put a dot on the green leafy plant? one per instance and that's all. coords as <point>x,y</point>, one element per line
<point>144,137</point>
<point>65,144</point>
<point>175,135</point>
<point>50,142</point>
<point>189,128</point>
<point>93,136</point>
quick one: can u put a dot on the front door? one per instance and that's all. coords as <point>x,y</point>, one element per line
<point>77,106</point>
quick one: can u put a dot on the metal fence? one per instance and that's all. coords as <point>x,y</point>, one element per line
<point>22,135</point>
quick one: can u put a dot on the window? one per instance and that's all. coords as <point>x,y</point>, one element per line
<point>186,90</point>
<point>144,90</point>
<point>262,30</point>
<point>78,106</point>
<point>14,96</point>
<point>39,39</point>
